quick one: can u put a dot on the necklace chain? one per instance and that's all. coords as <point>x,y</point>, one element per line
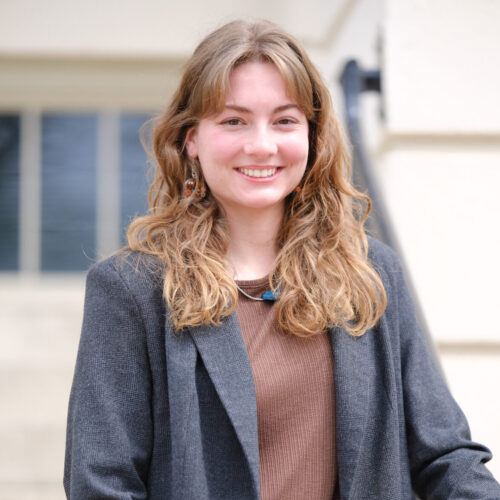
<point>268,295</point>
<point>247,295</point>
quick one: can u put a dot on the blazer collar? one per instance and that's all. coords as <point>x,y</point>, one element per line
<point>352,393</point>
<point>225,357</point>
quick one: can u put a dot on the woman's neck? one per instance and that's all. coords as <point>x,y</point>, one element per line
<point>253,242</point>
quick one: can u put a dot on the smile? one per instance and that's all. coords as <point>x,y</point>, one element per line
<point>265,172</point>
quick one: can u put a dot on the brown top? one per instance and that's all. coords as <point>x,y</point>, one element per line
<point>295,402</point>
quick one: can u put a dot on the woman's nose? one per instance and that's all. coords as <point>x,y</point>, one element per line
<point>261,144</point>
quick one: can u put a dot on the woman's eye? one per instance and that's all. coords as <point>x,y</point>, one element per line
<point>286,121</point>
<point>233,122</point>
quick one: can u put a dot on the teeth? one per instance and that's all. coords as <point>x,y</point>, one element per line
<point>267,172</point>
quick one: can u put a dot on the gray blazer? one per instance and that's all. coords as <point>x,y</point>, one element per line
<point>159,415</point>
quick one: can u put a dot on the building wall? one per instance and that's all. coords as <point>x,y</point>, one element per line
<point>438,161</point>
<point>436,153</point>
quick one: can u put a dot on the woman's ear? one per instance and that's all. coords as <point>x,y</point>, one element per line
<point>191,142</point>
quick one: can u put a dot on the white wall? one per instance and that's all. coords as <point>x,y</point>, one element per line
<point>438,162</point>
<point>440,69</point>
<point>128,54</point>
<point>153,28</point>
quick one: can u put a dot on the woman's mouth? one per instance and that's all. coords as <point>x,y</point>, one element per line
<point>262,172</point>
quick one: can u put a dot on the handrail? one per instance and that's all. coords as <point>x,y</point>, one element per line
<point>354,81</point>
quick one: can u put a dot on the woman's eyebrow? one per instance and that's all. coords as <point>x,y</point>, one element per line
<point>242,109</point>
<point>284,107</point>
<point>235,107</point>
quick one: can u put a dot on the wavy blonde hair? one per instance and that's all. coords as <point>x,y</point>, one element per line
<point>322,269</point>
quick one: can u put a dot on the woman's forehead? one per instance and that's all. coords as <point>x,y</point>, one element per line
<point>225,89</point>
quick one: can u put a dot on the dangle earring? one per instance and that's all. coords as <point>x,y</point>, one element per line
<point>201,192</point>
<point>189,186</point>
<point>193,185</point>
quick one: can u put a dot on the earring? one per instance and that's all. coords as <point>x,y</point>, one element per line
<point>201,192</point>
<point>298,189</point>
<point>189,186</point>
<point>192,185</point>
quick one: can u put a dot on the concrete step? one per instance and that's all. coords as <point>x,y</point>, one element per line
<point>31,491</point>
<point>40,321</point>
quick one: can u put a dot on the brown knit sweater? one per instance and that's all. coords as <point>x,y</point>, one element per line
<point>295,402</point>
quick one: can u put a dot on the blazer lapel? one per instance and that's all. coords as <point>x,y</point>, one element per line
<point>352,394</point>
<point>226,360</point>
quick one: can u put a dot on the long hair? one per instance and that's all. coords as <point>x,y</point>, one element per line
<point>322,270</point>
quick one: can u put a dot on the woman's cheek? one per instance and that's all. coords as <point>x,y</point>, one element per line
<point>295,149</point>
<point>224,146</point>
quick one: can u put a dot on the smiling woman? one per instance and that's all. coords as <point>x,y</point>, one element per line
<point>251,99</point>
<point>251,342</point>
<point>253,153</point>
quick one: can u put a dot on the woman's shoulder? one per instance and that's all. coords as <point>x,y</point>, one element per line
<point>381,254</point>
<point>140,273</point>
<point>386,262</point>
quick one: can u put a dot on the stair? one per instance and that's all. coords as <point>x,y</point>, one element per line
<point>40,324</point>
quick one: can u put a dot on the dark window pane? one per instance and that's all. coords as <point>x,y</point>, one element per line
<point>9,193</point>
<point>69,145</point>
<point>134,185</point>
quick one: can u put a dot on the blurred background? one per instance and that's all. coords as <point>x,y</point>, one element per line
<point>78,79</point>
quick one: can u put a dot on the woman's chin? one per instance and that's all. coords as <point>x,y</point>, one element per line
<point>255,204</point>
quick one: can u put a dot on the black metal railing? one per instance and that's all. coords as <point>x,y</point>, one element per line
<point>354,82</point>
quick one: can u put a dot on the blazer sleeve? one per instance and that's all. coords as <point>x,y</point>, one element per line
<point>444,462</point>
<point>109,431</point>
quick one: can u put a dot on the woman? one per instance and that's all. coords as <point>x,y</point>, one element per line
<point>252,343</point>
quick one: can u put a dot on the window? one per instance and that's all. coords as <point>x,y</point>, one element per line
<point>69,156</point>
<point>9,193</point>
<point>69,185</point>
<point>133,182</point>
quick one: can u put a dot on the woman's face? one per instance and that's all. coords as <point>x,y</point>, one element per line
<point>254,153</point>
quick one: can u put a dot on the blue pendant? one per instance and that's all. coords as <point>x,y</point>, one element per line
<point>269,295</point>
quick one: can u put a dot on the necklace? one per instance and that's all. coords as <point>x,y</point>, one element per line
<point>267,295</point>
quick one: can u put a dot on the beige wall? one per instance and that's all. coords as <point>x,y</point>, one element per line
<point>441,76</point>
<point>153,28</point>
<point>129,54</point>
<point>438,160</point>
